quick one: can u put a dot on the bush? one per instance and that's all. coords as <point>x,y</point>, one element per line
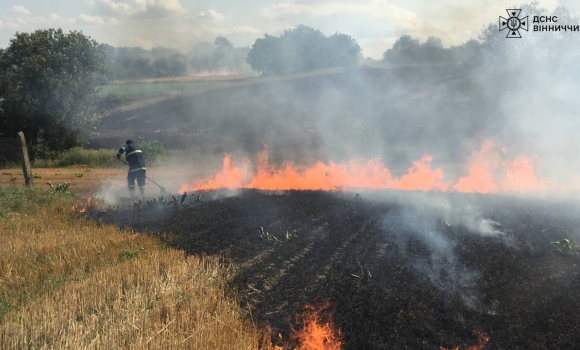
<point>79,156</point>
<point>151,150</point>
<point>102,158</point>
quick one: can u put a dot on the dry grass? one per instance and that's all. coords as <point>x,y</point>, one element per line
<point>94,179</point>
<point>89,181</point>
<point>72,283</point>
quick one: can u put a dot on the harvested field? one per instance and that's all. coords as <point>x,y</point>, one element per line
<point>402,270</point>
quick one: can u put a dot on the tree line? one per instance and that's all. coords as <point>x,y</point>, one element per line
<point>130,63</point>
<point>125,63</point>
<point>409,50</point>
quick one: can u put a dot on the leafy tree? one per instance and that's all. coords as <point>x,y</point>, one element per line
<point>221,56</point>
<point>408,50</point>
<point>109,51</point>
<point>48,88</point>
<point>405,49</point>
<point>137,63</point>
<point>344,50</point>
<point>223,43</point>
<point>160,67</point>
<point>265,56</point>
<point>177,65</point>
<point>141,68</point>
<point>468,53</point>
<point>163,52</point>
<point>302,49</point>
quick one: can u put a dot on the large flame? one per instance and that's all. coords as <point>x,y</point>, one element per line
<point>317,332</point>
<point>487,171</point>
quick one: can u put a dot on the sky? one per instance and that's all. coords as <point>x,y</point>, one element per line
<point>180,24</point>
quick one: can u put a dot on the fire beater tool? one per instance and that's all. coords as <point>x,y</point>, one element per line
<point>163,191</point>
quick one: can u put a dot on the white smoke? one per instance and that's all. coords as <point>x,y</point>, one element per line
<point>112,191</point>
<point>441,266</point>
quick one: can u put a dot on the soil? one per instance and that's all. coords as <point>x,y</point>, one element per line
<point>400,273</point>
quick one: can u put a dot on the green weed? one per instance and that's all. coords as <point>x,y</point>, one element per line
<point>566,246</point>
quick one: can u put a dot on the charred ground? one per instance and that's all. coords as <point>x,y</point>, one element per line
<point>397,114</point>
<point>398,274</point>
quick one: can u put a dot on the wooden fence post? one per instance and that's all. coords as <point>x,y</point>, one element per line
<point>26,171</point>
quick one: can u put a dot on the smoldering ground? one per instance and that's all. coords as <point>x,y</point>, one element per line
<point>410,262</point>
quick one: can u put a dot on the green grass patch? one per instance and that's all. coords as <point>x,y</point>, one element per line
<point>27,200</point>
<point>99,158</point>
<point>120,94</point>
<point>142,90</point>
<point>76,156</point>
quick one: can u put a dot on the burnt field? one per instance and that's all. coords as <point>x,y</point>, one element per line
<point>401,270</point>
<point>397,114</point>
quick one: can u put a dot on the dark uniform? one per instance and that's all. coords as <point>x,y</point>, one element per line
<point>134,156</point>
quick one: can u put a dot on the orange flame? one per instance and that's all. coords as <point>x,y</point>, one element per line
<point>316,334</point>
<point>355,174</point>
<point>487,172</point>
<point>81,206</point>
<point>483,340</point>
<point>486,166</point>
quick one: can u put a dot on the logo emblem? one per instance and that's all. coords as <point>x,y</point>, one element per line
<point>513,24</point>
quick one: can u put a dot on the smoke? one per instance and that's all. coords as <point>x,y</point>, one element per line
<point>519,94</point>
<point>439,264</point>
<point>535,94</point>
<point>462,212</point>
<point>450,210</point>
<point>421,226</point>
<point>112,191</point>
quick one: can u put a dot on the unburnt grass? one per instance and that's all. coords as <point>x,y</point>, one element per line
<point>69,282</point>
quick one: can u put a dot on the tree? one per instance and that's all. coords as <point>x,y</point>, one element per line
<point>302,49</point>
<point>160,67</point>
<point>221,56</point>
<point>265,56</point>
<point>405,50</point>
<point>408,50</point>
<point>48,88</point>
<point>468,53</point>
<point>109,51</point>
<point>177,65</point>
<point>344,50</point>
<point>223,43</point>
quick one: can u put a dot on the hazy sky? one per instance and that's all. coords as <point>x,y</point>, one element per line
<point>376,24</point>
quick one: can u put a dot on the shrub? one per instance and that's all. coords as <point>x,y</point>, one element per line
<point>79,156</point>
<point>151,150</point>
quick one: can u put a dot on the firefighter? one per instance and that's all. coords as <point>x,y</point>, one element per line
<point>134,156</point>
